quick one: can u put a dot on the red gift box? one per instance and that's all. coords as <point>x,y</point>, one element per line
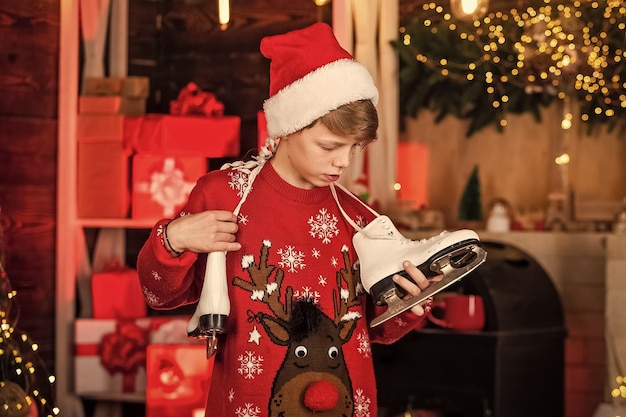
<point>102,184</point>
<point>99,105</point>
<point>178,380</point>
<point>161,184</point>
<point>210,137</point>
<point>116,294</point>
<point>110,355</point>
<point>103,126</point>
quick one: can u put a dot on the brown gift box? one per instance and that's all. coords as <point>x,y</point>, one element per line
<point>102,184</point>
<point>121,95</point>
<point>128,106</point>
<point>135,87</point>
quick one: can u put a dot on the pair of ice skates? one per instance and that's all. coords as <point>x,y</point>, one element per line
<point>381,250</point>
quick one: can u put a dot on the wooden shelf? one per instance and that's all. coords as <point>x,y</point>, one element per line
<point>123,398</point>
<point>116,223</point>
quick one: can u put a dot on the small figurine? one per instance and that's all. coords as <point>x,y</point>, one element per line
<point>499,220</point>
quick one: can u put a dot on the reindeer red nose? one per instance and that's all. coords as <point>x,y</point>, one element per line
<point>321,396</point>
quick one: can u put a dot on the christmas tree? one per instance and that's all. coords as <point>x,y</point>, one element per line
<point>470,207</point>
<point>25,385</point>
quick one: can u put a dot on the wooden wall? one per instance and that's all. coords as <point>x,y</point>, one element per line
<point>29,46</point>
<point>517,165</point>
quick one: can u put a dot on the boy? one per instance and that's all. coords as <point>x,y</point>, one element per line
<point>298,339</point>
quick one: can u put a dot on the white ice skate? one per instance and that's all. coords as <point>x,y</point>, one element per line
<point>209,319</point>
<point>381,249</point>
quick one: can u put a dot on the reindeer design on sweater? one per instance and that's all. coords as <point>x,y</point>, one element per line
<point>313,378</point>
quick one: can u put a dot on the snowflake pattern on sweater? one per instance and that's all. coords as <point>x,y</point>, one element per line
<point>298,340</point>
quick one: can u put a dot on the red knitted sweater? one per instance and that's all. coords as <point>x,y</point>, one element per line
<point>298,340</point>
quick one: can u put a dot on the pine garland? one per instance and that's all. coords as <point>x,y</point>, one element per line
<point>516,62</point>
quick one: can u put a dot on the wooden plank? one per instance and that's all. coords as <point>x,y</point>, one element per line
<point>143,34</point>
<point>196,26</point>
<point>29,35</point>
<point>28,151</point>
<point>118,39</point>
<point>30,22</point>
<point>29,225</point>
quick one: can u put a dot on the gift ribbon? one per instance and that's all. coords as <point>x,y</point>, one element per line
<point>168,186</point>
<point>86,349</point>
<point>124,351</point>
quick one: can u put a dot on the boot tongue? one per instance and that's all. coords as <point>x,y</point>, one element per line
<point>321,396</point>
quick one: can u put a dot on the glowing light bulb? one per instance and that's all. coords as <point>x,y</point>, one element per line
<point>223,11</point>
<point>566,123</point>
<point>469,6</point>
<point>562,159</point>
<point>469,9</point>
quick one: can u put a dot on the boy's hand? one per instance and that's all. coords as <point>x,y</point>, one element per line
<point>207,231</point>
<point>414,288</point>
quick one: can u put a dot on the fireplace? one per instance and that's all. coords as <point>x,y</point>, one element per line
<point>514,367</point>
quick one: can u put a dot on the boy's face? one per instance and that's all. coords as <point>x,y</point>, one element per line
<point>313,157</point>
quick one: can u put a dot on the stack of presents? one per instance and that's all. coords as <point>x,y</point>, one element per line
<point>142,166</point>
<point>149,358</point>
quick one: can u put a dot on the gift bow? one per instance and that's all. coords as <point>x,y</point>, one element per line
<point>192,101</point>
<point>124,351</point>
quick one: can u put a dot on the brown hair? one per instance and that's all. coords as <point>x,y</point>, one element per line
<point>358,120</point>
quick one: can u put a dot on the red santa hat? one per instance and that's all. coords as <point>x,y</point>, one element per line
<point>310,75</point>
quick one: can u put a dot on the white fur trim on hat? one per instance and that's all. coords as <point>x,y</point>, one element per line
<point>326,88</point>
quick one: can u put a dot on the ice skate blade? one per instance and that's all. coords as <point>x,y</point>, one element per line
<point>451,274</point>
<point>209,325</point>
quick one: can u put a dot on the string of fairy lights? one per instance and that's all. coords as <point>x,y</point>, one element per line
<point>528,56</point>
<point>620,390</point>
<point>25,390</point>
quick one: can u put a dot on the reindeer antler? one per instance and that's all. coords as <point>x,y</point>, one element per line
<point>348,297</point>
<point>261,288</point>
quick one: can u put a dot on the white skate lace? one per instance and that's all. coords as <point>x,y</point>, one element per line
<point>399,236</point>
<point>343,212</point>
<point>252,168</point>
